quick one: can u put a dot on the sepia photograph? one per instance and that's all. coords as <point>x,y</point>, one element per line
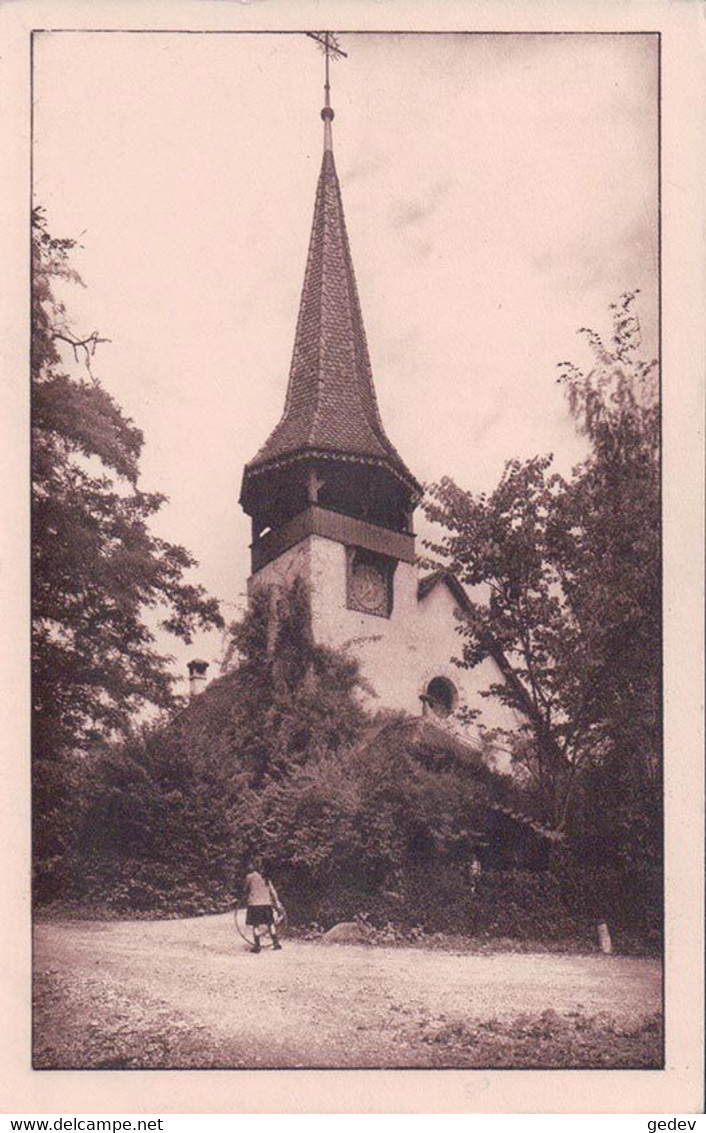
<point>347,642</point>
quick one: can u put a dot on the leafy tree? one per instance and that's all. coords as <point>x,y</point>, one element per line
<point>566,599</point>
<point>97,569</point>
<point>500,546</point>
<point>607,533</point>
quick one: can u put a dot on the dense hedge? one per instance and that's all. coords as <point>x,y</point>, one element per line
<point>520,905</point>
<point>531,907</point>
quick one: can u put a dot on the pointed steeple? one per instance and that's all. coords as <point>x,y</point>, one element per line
<point>331,410</point>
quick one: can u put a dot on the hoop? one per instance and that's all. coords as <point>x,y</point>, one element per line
<point>245,931</point>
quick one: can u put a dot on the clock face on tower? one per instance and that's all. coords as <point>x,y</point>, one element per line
<point>369,586</point>
<point>369,583</point>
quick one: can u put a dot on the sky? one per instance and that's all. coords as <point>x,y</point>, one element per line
<point>500,192</point>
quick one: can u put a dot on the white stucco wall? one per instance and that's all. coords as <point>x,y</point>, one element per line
<point>387,647</point>
<point>398,655</point>
<point>440,641</point>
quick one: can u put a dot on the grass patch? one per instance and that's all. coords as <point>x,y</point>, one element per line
<point>547,1041</point>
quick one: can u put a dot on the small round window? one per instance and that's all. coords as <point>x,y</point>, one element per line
<point>442,696</point>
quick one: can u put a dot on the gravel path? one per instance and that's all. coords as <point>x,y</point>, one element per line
<point>188,993</point>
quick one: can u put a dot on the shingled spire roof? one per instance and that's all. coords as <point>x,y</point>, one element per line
<point>331,409</point>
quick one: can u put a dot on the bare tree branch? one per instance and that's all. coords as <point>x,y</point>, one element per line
<point>88,345</point>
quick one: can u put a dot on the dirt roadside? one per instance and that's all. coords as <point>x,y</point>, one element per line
<point>187,993</point>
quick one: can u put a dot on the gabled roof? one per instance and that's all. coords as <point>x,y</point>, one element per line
<point>331,409</point>
<point>427,584</point>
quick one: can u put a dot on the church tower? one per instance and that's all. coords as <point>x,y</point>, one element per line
<point>332,501</point>
<point>330,498</point>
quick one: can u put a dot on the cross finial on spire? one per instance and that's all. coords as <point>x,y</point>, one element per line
<point>329,43</point>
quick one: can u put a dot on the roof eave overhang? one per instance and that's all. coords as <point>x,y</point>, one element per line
<point>254,470</point>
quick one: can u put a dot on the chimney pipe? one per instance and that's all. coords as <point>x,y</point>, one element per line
<point>197,677</point>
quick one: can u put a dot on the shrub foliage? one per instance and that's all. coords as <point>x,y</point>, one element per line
<point>356,816</point>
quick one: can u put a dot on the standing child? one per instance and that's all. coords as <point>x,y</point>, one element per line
<point>262,901</point>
